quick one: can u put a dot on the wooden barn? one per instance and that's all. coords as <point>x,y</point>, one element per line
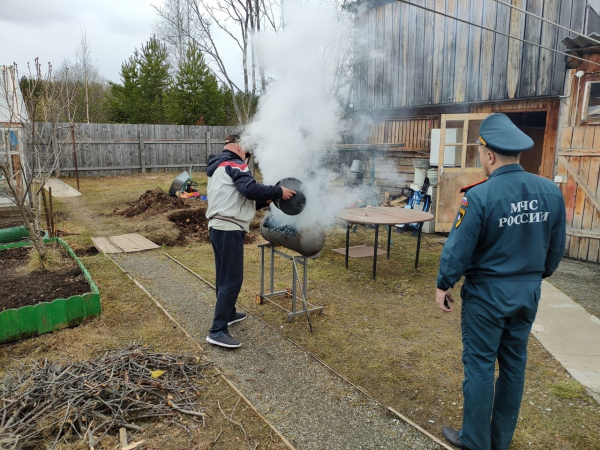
<point>427,72</point>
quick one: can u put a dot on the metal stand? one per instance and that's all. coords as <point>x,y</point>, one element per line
<point>296,261</point>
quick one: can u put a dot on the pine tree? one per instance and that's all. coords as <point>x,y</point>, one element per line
<point>195,97</point>
<point>145,78</point>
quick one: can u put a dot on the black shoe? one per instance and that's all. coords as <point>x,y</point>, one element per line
<point>452,436</point>
<point>239,316</point>
<point>223,339</point>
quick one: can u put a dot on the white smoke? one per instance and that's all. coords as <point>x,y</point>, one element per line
<point>298,116</point>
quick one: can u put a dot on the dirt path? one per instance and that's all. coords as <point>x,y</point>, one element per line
<point>311,406</point>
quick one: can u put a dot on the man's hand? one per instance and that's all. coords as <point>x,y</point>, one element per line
<point>287,193</point>
<point>441,296</point>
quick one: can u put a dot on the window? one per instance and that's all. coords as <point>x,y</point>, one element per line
<point>590,107</point>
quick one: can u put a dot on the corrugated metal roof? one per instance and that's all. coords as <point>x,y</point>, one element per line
<point>580,41</point>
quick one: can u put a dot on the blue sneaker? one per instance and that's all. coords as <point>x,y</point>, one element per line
<point>239,316</point>
<point>222,339</point>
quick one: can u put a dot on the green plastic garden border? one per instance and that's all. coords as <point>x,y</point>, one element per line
<point>45,317</point>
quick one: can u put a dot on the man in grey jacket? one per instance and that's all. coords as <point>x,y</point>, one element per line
<point>233,198</point>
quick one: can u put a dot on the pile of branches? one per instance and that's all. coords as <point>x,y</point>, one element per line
<point>65,403</point>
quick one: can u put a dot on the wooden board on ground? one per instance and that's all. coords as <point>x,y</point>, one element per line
<point>60,189</point>
<point>104,245</point>
<point>358,251</point>
<point>123,243</point>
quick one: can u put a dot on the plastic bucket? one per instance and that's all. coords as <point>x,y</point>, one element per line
<point>432,174</point>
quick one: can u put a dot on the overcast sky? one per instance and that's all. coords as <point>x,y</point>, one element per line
<point>49,29</point>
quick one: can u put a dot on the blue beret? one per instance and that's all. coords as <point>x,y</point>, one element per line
<point>499,134</point>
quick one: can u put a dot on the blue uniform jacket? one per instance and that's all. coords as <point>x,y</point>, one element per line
<point>512,226</point>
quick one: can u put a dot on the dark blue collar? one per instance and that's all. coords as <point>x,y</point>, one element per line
<point>505,169</point>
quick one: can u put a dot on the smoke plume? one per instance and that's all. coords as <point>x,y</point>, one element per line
<point>298,119</point>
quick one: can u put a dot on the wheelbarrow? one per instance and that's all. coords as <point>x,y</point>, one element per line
<point>183,183</point>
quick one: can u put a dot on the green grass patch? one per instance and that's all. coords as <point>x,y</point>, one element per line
<point>569,390</point>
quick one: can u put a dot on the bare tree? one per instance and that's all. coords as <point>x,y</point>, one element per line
<point>176,31</point>
<point>87,86</point>
<point>30,124</point>
<point>341,56</point>
<point>239,20</point>
<point>86,67</point>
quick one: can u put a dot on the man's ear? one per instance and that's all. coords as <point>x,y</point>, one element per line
<point>491,157</point>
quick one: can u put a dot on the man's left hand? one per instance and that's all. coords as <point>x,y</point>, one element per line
<point>440,299</point>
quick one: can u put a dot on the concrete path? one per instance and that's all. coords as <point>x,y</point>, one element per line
<point>571,335</point>
<point>61,189</point>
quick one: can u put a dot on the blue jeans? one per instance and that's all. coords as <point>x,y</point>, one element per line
<point>228,247</point>
<point>496,319</point>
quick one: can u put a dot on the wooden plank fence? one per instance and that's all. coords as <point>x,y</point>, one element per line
<point>119,149</point>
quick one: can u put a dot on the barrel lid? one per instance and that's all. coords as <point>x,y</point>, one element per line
<point>296,204</point>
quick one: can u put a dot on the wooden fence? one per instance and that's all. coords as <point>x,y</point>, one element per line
<point>118,149</point>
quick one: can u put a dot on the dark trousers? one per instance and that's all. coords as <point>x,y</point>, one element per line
<point>229,263</point>
<point>496,319</point>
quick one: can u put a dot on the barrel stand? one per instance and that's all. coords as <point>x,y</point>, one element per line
<point>296,283</point>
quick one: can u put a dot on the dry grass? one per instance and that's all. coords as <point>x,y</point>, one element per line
<point>129,315</point>
<point>387,335</point>
<point>51,261</point>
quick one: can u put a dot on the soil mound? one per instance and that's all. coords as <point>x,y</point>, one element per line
<point>152,203</point>
<point>192,223</point>
<point>194,227</point>
<point>188,215</point>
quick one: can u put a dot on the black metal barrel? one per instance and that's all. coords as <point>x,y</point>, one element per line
<point>306,241</point>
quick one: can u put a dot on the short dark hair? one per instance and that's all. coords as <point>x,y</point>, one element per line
<point>506,158</point>
<point>232,138</point>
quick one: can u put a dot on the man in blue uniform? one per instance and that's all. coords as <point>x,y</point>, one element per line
<point>508,235</point>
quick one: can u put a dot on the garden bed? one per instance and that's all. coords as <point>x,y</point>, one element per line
<point>42,301</point>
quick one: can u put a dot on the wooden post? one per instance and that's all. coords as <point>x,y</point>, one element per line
<point>52,231</point>
<point>46,211</point>
<point>142,151</point>
<point>52,146</point>
<point>208,145</point>
<point>75,154</point>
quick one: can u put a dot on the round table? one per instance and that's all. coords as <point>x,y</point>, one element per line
<point>381,215</point>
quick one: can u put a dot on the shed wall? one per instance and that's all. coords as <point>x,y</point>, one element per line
<point>578,161</point>
<point>406,57</point>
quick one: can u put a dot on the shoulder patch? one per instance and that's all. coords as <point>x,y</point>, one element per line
<point>464,202</point>
<point>242,167</point>
<point>466,188</point>
<point>459,218</point>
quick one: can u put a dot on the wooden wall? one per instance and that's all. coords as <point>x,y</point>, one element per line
<point>393,168</point>
<point>579,162</point>
<point>116,149</point>
<point>406,56</point>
